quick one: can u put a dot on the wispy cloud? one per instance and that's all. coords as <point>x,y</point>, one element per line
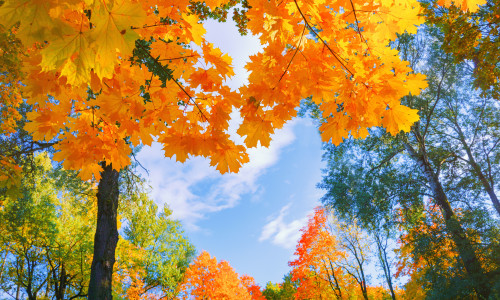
<point>280,232</point>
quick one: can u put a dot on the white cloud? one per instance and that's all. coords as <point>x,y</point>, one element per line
<point>281,233</point>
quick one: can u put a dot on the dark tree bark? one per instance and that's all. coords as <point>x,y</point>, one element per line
<point>463,244</point>
<point>106,236</point>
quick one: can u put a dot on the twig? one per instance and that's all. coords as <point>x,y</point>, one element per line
<point>337,57</point>
<point>295,53</point>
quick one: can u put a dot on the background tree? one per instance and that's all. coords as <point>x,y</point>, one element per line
<point>285,290</point>
<point>471,36</point>
<point>208,279</point>
<point>46,234</point>
<point>354,242</point>
<point>317,266</point>
<point>163,252</point>
<point>369,179</point>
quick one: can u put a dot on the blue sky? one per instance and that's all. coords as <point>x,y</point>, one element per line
<point>251,219</point>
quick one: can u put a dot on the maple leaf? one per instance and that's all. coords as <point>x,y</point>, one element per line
<point>40,26</point>
<point>221,62</point>
<point>229,159</point>
<point>334,130</point>
<point>416,83</point>
<point>74,53</point>
<point>194,30</point>
<point>113,33</point>
<point>399,117</point>
<point>257,130</point>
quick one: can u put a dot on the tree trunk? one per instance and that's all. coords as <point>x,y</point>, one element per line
<point>382,255</point>
<point>106,236</point>
<point>453,226</point>
<point>479,173</point>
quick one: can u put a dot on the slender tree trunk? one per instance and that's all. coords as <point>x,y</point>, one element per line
<point>363,289</point>
<point>106,236</point>
<point>477,169</point>
<point>3,264</point>
<point>453,226</point>
<point>382,255</point>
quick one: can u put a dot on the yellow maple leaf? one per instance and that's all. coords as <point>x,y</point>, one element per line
<point>222,62</point>
<point>172,145</point>
<point>229,159</point>
<point>113,33</point>
<point>416,83</point>
<point>256,131</point>
<point>399,117</point>
<point>194,31</point>
<point>73,53</point>
<point>334,130</point>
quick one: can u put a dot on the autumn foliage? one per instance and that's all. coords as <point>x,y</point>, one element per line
<point>121,73</point>
<point>93,79</point>
<point>208,279</point>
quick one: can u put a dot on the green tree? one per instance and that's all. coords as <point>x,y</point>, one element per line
<point>370,179</point>
<point>167,251</point>
<point>46,235</point>
<point>285,290</point>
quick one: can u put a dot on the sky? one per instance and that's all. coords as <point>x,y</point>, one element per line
<point>251,219</point>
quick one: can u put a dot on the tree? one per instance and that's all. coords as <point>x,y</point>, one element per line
<point>46,239</point>
<point>103,76</point>
<point>46,234</point>
<point>281,291</point>
<point>355,243</point>
<point>163,252</point>
<point>317,268</point>
<point>471,35</point>
<point>207,279</point>
<point>382,236</point>
<point>427,255</point>
<point>252,288</point>
<point>401,170</point>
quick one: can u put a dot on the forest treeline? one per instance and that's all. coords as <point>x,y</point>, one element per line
<point>408,213</point>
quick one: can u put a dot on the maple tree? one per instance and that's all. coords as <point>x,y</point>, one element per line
<point>427,255</point>
<point>208,279</point>
<point>317,267</point>
<point>102,103</point>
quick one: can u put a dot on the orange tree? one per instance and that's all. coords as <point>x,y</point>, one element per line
<point>208,279</point>
<point>317,267</point>
<point>104,76</point>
